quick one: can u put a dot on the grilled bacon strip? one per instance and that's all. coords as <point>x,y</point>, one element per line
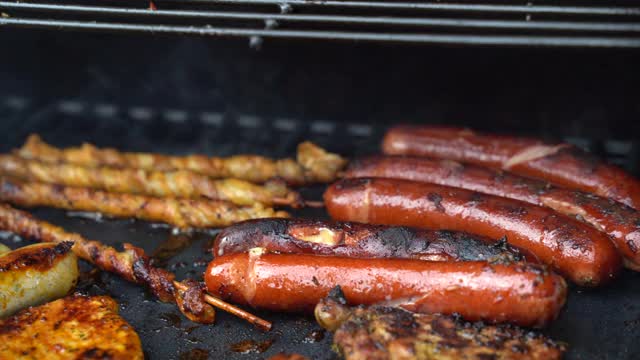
<point>132,264</point>
<point>620,222</point>
<point>182,213</point>
<point>182,183</point>
<point>356,240</point>
<point>576,250</point>
<point>382,332</point>
<point>561,164</point>
<point>313,164</point>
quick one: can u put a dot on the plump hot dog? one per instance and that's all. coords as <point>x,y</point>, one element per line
<point>578,251</point>
<point>524,294</point>
<point>561,164</point>
<point>620,222</point>
<point>298,236</point>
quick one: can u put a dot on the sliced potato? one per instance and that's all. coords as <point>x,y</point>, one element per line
<point>35,274</point>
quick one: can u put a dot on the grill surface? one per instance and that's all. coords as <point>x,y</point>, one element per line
<point>580,23</point>
<point>598,324</point>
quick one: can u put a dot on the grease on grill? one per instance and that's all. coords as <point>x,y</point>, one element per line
<point>195,354</point>
<point>252,346</point>
<point>314,336</point>
<point>173,246</point>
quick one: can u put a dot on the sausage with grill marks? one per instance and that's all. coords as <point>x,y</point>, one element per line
<point>562,164</point>
<point>620,222</point>
<point>303,236</point>
<point>525,294</point>
<point>578,251</point>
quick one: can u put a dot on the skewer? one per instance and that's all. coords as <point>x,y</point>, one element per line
<point>182,213</point>
<point>313,164</point>
<point>132,264</point>
<point>179,184</point>
<point>262,324</point>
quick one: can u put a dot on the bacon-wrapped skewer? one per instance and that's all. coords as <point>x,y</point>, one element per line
<point>313,163</point>
<point>182,183</point>
<point>132,264</point>
<point>182,213</point>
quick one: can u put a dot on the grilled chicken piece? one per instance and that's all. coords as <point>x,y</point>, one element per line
<point>36,274</point>
<point>284,356</point>
<point>379,332</point>
<point>76,327</point>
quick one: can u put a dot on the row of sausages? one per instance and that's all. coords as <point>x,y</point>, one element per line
<point>577,217</point>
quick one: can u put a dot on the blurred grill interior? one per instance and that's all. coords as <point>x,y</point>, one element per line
<point>258,76</point>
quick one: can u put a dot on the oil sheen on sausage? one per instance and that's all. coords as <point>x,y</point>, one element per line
<point>620,222</point>
<point>524,294</point>
<point>561,164</point>
<point>303,236</point>
<point>578,251</point>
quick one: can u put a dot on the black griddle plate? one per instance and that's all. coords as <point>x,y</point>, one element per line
<point>597,324</point>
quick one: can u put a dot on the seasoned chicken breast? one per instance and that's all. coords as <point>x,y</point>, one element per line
<point>75,327</point>
<point>35,274</point>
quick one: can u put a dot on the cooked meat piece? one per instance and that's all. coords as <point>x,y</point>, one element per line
<point>180,183</point>
<point>378,333</point>
<point>76,327</point>
<point>182,213</point>
<point>132,264</point>
<point>35,274</point>
<point>314,164</point>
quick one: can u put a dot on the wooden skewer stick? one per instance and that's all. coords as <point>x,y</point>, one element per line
<point>260,323</point>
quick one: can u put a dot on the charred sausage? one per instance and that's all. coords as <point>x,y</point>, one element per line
<point>620,222</point>
<point>578,251</point>
<point>303,236</point>
<point>561,164</point>
<point>524,294</point>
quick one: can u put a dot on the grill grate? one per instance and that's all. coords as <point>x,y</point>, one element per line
<point>543,23</point>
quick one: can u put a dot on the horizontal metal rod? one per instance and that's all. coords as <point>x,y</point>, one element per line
<point>337,19</point>
<point>459,7</point>
<point>494,40</point>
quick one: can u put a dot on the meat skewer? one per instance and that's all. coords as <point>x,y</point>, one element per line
<point>620,222</point>
<point>382,332</point>
<point>182,183</point>
<point>356,240</point>
<point>525,294</point>
<point>313,164</point>
<point>578,251</point>
<point>182,213</point>
<point>561,164</point>
<point>132,264</point>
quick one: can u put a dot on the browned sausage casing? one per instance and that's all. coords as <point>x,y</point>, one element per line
<point>303,236</point>
<point>578,251</point>
<point>620,222</point>
<point>561,164</point>
<point>524,294</point>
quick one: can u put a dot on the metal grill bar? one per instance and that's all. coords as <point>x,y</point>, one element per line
<point>482,8</point>
<point>570,26</point>
<point>382,20</point>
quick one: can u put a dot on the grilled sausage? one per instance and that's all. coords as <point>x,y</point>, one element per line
<point>35,274</point>
<point>620,222</point>
<point>524,294</point>
<point>561,164</point>
<point>358,240</point>
<point>578,251</point>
